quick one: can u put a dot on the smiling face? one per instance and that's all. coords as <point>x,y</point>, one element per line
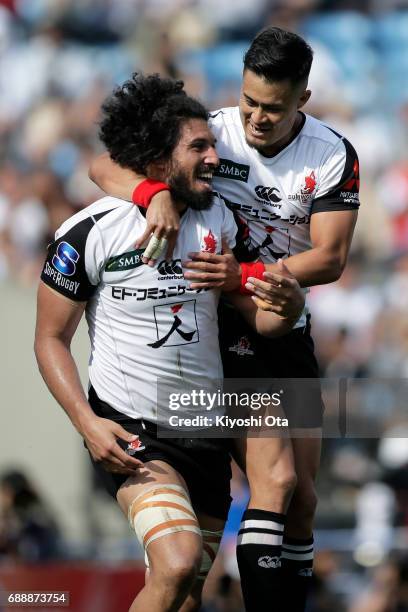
<point>269,111</point>
<point>192,165</point>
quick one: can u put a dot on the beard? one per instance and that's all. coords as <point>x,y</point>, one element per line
<point>182,192</point>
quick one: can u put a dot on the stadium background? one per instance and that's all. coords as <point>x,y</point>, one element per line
<point>58,60</point>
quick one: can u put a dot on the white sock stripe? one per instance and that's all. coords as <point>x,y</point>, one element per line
<point>259,538</point>
<point>297,557</point>
<point>248,524</point>
<point>299,548</point>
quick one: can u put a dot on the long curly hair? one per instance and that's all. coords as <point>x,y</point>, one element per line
<point>142,120</point>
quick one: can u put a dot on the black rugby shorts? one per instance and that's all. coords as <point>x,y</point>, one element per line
<point>289,361</point>
<point>203,463</point>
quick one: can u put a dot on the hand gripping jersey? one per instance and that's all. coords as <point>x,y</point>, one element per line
<point>273,198</point>
<point>144,323</point>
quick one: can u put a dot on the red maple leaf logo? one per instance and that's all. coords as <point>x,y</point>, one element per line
<point>310,184</point>
<point>176,308</point>
<point>210,243</point>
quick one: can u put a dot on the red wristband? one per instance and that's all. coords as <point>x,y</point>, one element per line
<point>255,270</point>
<point>144,192</point>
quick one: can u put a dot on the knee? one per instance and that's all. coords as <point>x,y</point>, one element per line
<point>280,480</point>
<point>283,479</point>
<point>277,482</point>
<point>182,572</point>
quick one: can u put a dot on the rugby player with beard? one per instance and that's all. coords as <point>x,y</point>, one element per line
<point>293,185</point>
<point>145,326</point>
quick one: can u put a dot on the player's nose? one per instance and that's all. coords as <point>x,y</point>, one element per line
<point>258,116</point>
<point>211,157</point>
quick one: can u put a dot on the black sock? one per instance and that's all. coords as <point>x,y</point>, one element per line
<point>297,569</point>
<point>258,553</point>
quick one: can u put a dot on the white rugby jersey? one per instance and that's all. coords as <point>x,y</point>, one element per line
<point>144,322</point>
<point>273,198</point>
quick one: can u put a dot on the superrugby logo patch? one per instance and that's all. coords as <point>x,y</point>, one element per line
<point>209,244</point>
<point>232,170</point>
<point>125,261</point>
<point>65,259</point>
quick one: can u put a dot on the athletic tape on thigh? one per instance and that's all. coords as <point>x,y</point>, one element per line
<point>211,544</point>
<point>161,510</point>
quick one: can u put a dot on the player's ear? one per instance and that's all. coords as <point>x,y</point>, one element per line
<point>304,97</point>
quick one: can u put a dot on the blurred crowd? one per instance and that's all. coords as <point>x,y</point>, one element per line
<point>58,61</point>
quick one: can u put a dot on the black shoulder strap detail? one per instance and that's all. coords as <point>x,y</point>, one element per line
<point>345,194</point>
<point>334,131</point>
<point>64,269</point>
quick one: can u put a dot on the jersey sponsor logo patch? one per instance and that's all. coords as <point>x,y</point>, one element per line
<point>125,261</point>
<point>232,170</point>
<point>60,280</point>
<point>65,259</point>
<point>170,269</point>
<point>209,244</point>
<point>176,324</point>
<point>350,197</point>
<point>153,293</point>
<point>268,194</point>
<point>243,347</point>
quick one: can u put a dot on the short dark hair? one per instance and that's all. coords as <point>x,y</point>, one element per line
<point>143,118</point>
<point>277,55</point>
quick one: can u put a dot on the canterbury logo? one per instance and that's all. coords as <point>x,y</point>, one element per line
<point>170,267</point>
<point>269,194</point>
<point>269,562</point>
